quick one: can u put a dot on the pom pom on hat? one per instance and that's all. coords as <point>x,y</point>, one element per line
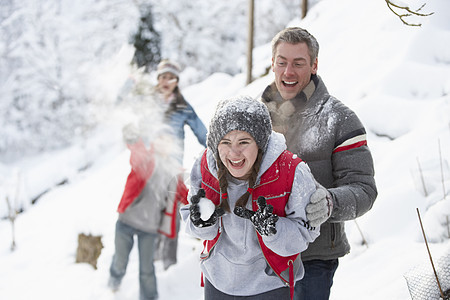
<point>167,66</point>
<point>241,113</point>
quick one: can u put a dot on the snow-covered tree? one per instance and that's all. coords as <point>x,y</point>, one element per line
<point>53,53</point>
<point>211,36</point>
<point>49,50</point>
<point>146,40</point>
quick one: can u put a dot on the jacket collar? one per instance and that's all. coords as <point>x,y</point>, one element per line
<point>303,99</point>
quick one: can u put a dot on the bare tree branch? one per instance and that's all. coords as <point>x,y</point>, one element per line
<point>431,259</point>
<point>12,213</point>
<point>407,12</point>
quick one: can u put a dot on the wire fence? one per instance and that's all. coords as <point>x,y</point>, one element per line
<point>422,283</point>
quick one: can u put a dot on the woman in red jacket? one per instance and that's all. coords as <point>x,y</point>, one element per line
<point>257,192</point>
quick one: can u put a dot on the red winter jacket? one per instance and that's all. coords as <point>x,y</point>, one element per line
<point>273,183</point>
<point>142,161</point>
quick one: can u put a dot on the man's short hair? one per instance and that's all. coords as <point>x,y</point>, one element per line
<point>296,35</point>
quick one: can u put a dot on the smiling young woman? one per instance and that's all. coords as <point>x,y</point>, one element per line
<point>260,191</point>
<point>238,151</point>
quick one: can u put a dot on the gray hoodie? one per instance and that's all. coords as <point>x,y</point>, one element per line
<point>236,265</point>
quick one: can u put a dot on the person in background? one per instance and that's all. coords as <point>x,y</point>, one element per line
<point>332,140</point>
<point>178,113</point>
<point>257,192</point>
<point>147,197</point>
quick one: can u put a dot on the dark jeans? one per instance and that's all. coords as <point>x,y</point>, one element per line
<point>211,293</point>
<point>318,279</point>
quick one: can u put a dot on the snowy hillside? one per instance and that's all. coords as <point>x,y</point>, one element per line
<point>397,79</point>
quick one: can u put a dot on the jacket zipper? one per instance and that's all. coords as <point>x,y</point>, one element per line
<point>279,276</point>
<point>333,235</point>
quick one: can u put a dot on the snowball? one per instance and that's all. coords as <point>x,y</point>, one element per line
<point>206,208</point>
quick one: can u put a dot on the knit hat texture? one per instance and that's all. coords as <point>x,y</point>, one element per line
<point>241,113</point>
<point>168,66</point>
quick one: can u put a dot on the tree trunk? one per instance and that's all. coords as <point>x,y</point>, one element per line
<point>89,249</point>
<point>251,9</point>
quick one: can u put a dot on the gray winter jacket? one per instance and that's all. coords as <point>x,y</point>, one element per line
<point>146,213</point>
<point>236,265</point>
<point>326,134</point>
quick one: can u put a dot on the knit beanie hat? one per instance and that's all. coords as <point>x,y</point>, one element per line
<point>168,66</point>
<point>241,113</point>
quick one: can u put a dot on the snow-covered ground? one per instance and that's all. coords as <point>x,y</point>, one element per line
<point>397,79</point>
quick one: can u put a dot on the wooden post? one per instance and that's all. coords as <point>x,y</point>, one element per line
<point>304,8</point>
<point>251,8</point>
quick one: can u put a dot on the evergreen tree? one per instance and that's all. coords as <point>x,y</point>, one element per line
<point>147,41</point>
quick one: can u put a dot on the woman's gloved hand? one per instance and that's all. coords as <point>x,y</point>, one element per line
<point>263,219</point>
<point>196,215</point>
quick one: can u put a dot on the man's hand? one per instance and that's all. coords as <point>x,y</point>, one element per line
<point>320,207</point>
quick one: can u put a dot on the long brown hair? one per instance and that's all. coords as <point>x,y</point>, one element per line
<point>222,173</point>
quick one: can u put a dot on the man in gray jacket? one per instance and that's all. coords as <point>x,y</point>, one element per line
<point>332,140</point>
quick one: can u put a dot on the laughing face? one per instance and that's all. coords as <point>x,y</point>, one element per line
<point>238,151</point>
<point>167,82</point>
<point>292,67</point>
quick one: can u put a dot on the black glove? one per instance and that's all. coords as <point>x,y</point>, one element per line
<point>195,211</point>
<point>263,219</point>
